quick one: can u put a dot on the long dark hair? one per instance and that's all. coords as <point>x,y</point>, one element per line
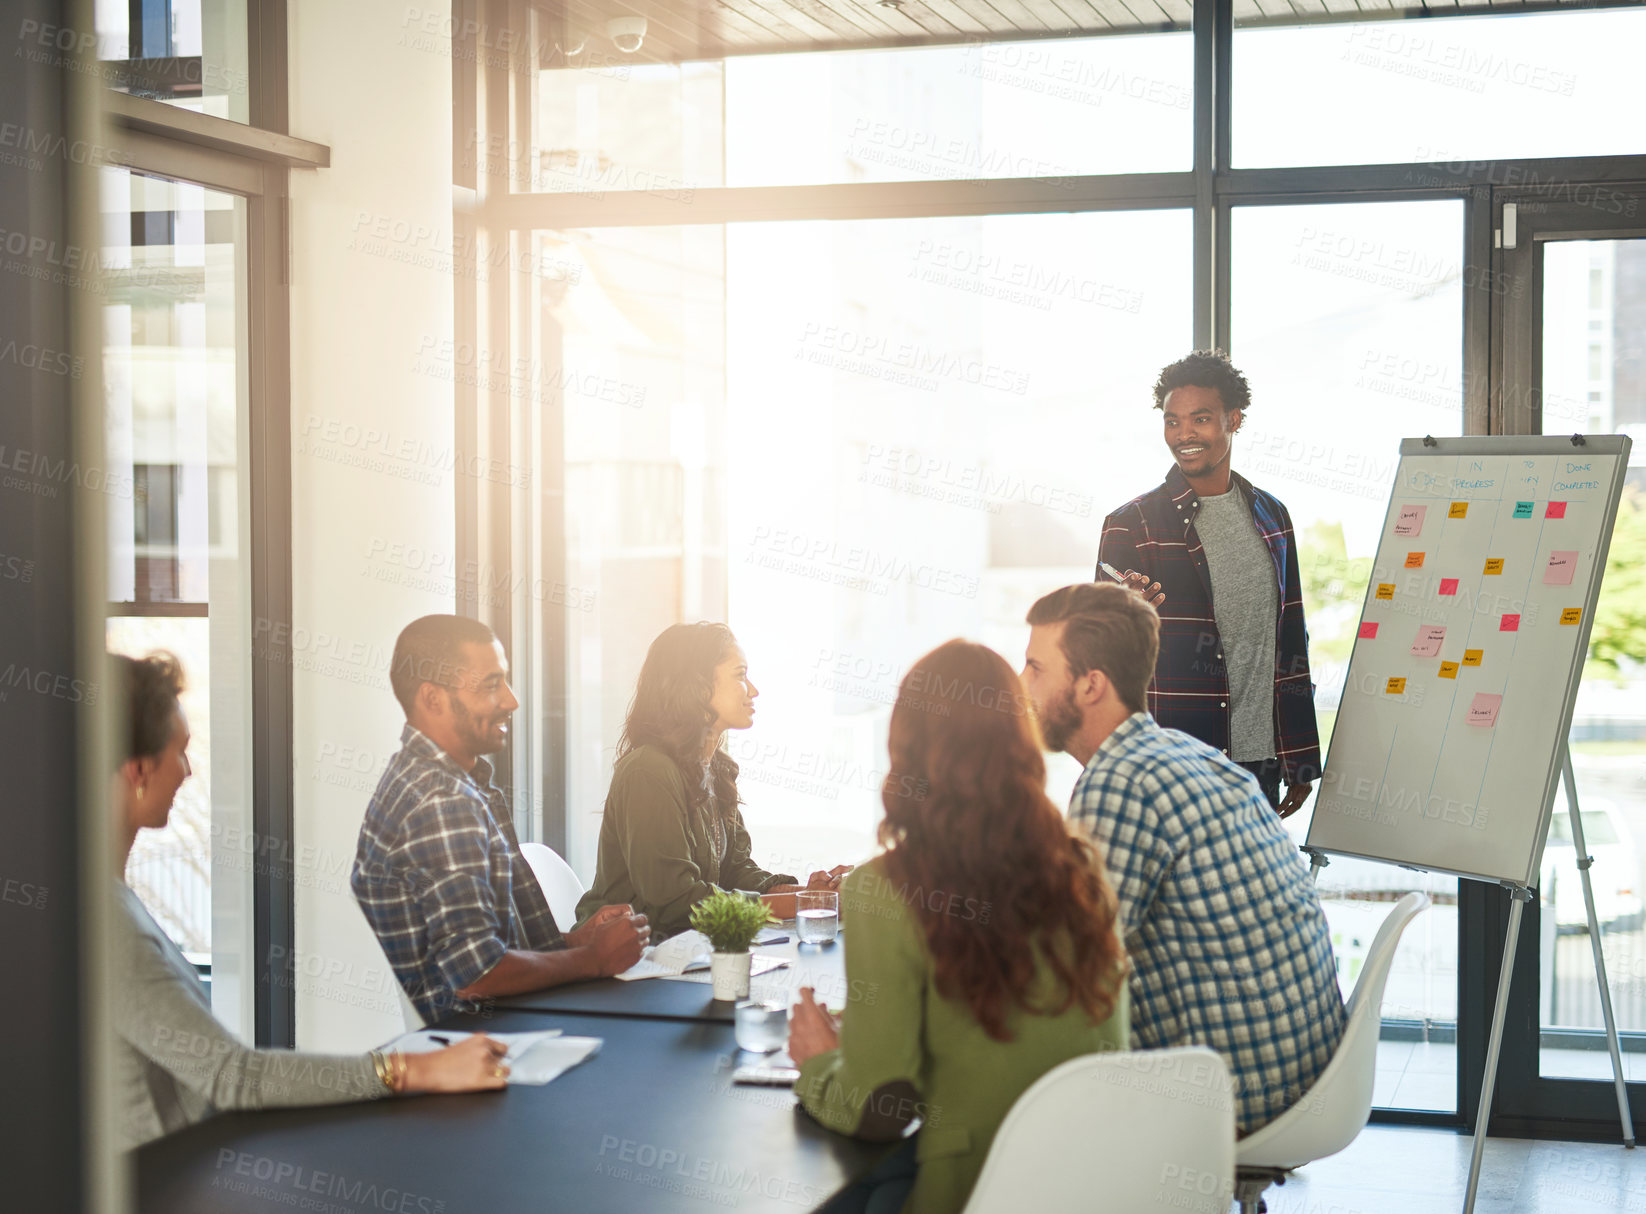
<point>968,825</point>
<point>671,711</point>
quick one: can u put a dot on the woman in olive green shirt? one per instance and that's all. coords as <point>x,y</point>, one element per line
<point>982,948</point>
<point>672,834</point>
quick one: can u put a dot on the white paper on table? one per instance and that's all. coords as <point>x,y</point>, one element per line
<point>533,1058</point>
<point>674,956</point>
<point>757,965</point>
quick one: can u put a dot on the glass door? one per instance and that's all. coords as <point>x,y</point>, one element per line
<point>1573,359</point>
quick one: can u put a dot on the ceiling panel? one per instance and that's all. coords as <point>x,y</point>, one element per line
<point>715,29</point>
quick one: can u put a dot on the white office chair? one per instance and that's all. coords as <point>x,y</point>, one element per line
<point>1334,1111</point>
<point>1144,1130</point>
<point>560,885</point>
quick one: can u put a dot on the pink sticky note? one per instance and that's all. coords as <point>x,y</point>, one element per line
<point>1368,632</point>
<point>1410,520</point>
<point>1555,510</point>
<point>1509,623</point>
<point>1429,637</point>
<point>1448,585</point>
<point>1483,711</point>
<point>1560,569</point>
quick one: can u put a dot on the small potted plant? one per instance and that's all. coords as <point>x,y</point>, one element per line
<point>731,922</point>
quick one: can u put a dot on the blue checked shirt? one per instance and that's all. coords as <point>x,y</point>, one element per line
<point>440,877</point>
<point>1155,535</point>
<point>1228,942</point>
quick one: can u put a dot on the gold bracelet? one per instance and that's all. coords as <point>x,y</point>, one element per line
<point>401,1069</point>
<point>380,1064</point>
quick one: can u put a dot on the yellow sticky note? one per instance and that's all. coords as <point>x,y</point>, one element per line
<point>1458,510</point>
<point>1414,560</point>
<point>1571,615</point>
<point>1471,657</point>
<point>1448,670</point>
<point>1494,565</point>
<point>1395,687</point>
<point>1385,590</point>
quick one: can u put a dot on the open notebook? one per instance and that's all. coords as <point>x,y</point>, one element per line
<point>686,958</point>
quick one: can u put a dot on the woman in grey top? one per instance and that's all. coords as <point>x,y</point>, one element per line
<point>174,1063</point>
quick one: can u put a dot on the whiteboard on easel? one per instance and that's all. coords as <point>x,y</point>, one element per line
<point>1458,699</point>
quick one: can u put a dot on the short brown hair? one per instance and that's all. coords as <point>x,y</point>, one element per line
<point>430,650</point>
<point>1108,628</point>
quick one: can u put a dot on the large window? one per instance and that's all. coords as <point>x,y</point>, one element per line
<point>1349,326</point>
<point>174,378</point>
<point>1468,90</point>
<point>854,350</point>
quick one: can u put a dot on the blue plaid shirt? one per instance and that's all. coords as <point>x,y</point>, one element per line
<point>1228,942</point>
<point>440,877</point>
<point>1155,535</point>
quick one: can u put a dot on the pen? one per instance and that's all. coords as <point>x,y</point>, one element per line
<point>440,1039</point>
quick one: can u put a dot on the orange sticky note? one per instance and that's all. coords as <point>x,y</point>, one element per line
<point>1414,560</point>
<point>1395,687</point>
<point>1571,615</point>
<point>1494,564</point>
<point>1448,670</point>
<point>1385,590</point>
<point>1471,657</point>
<point>1458,510</point>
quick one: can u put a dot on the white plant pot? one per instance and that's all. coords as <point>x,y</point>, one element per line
<point>729,973</point>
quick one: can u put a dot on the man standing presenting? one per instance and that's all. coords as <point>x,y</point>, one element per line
<point>1233,668</point>
<point>439,873</point>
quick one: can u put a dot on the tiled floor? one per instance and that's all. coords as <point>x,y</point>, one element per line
<point>1422,1075</point>
<point>1421,1171</point>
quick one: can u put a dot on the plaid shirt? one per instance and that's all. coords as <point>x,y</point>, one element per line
<point>1229,945</point>
<point>440,876</point>
<point>1155,535</point>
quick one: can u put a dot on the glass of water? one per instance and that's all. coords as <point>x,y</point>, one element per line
<point>761,1026</point>
<point>817,915</point>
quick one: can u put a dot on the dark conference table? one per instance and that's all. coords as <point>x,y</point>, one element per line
<point>651,1122</point>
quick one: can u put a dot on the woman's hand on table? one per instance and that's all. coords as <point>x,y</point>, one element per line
<point>813,1029</point>
<point>472,1065</point>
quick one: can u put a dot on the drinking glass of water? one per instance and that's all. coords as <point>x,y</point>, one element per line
<point>817,915</point>
<point>761,1026</point>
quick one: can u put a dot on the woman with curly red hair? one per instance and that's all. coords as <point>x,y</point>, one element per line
<point>983,948</point>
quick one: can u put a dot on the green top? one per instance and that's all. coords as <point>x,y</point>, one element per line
<point>905,1048</point>
<point>661,857</point>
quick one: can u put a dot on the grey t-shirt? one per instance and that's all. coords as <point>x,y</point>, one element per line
<point>1246,604</point>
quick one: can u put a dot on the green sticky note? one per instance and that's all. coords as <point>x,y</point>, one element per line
<point>1523,509</point>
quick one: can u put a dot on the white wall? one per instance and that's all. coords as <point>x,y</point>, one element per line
<point>372,438</point>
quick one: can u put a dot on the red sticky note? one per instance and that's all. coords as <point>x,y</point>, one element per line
<point>1483,710</point>
<point>1509,623</point>
<point>1368,632</point>
<point>1448,585</point>
<point>1555,510</point>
